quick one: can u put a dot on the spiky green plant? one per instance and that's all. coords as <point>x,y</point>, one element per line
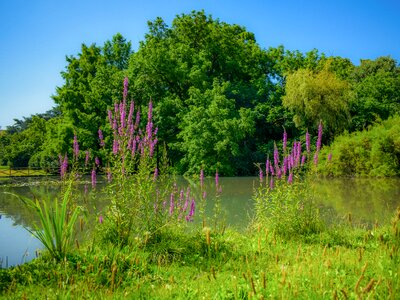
<point>57,223</point>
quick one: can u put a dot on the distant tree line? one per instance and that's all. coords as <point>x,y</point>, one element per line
<point>220,100</point>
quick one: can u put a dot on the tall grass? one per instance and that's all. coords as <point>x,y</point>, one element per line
<point>57,223</point>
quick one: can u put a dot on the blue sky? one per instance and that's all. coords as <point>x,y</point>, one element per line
<point>36,35</point>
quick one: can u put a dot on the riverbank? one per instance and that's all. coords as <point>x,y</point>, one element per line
<point>340,262</point>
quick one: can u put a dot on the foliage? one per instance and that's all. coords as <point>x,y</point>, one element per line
<point>376,93</point>
<point>315,96</point>
<point>372,152</point>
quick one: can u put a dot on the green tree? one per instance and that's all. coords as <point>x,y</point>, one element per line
<point>315,96</point>
<point>376,91</point>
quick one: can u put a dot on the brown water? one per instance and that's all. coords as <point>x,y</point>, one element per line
<point>368,200</point>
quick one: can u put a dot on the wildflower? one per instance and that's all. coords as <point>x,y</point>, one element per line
<point>276,157</point>
<point>201,178</point>
<point>267,167</point>
<point>64,166</point>
<point>330,156</point>
<point>303,160</point>
<point>271,183</point>
<point>101,138</point>
<point>115,146</point>
<point>261,176</point>
<point>125,94</point>
<point>76,147</point>
<point>290,178</point>
<point>101,219</point>
<point>130,116</point>
<point>284,140</point>
<point>110,118</point>
<point>155,173</point>
<point>189,217</point>
<point>171,204</point>
<point>108,175</point>
<point>308,142</point>
<point>97,161</point>
<point>316,158</point>
<point>204,195</point>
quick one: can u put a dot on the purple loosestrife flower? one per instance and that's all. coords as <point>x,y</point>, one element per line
<point>284,140</point>
<point>330,156</point>
<point>303,160</point>
<point>290,178</point>
<point>267,167</point>
<point>271,183</point>
<point>64,167</point>
<point>308,142</point>
<point>101,138</point>
<point>276,157</point>
<point>316,158</point>
<point>101,219</point>
<point>97,161</point>
<point>261,174</point>
<point>130,115</point>
<point>189,217</point>
<point>171,204</point>
<point>94,178</point>
<point>155,176</point>
<point>76,147</point>
<point>271,169</point>
<point>115,146</point>
<point>201,178</point>
<point>122,113</point>
<point>204,195</point>
<point>319,139</point>
<point>285,165</point>
<point>137,120</point>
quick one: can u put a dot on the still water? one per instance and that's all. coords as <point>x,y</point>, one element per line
<point>369,201</point>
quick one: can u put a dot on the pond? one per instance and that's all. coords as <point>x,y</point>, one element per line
<point>369,201</point>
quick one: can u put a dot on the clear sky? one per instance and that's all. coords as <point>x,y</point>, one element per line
<point>36,35</point>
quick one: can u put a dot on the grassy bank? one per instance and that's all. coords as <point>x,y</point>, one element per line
<point>338,263</point>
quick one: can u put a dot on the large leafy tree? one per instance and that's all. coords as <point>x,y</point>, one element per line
<point>376,91</point>
<point>189,56</point>
<point>316,96</point>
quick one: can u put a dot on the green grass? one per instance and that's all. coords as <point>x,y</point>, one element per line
<point>338,263</point>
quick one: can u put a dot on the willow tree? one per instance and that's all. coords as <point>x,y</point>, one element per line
<point>315,96</point>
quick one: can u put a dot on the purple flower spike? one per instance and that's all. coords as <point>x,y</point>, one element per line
<point>64,166</point>
<point>97,161</point>
<point>271,183</point>
<point>303,160</point>
<point>290,178</point>
<point>101,138</point>
<point>330,156</point>
<point>108,175</point>
<point>308,142</point>
<point>276,157</point>
<point>316,158</point>
<point>115,146</point>
<point>261,176</point>
<point>284,140</point>
<point>125,94</point>
<point>189,217</point>
<point>171,204</point>
<point>267,167</point>
<point>101,219</point>
<point>155,173</point>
